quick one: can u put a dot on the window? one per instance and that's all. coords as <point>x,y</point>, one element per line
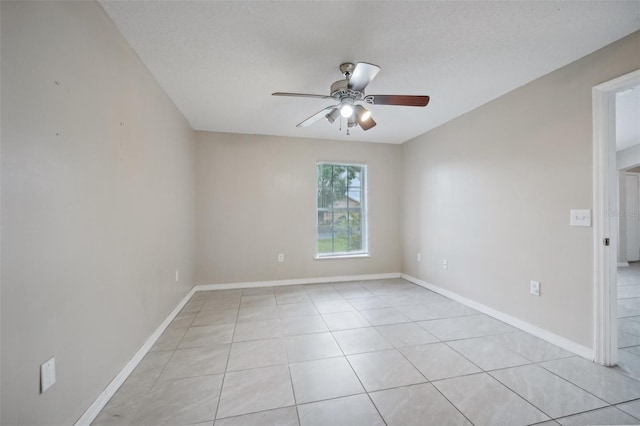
<point>342,212</point>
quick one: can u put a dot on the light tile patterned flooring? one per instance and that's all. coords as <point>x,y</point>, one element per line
<point>365,353</point>
<point>629,320</point>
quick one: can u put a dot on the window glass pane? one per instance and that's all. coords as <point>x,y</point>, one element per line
<point>355,197</point>
<point>340,184</point>
<point>340,207</point>
<point>325,187</point>
<point>355,241</point>
<point>354,173</point>
<point>354,219</point>
<point>355,234</point>
<point>325,239</point>
<point>340,217</point>
<point>341,231</point>
<point>325,198</point>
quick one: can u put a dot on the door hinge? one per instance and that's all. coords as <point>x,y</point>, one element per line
<point>606,242</point>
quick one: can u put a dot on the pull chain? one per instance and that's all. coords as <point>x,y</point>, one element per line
<point>340,129</point>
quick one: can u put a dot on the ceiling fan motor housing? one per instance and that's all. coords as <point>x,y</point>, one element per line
<point>339,86</point>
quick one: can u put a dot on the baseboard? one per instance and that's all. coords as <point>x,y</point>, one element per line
<point>546,335</point>
<point>104,397</point>
<point>296,281</point>
<point>623,264</point>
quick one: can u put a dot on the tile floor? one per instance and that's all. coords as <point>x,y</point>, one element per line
<point>365,353</point>
<point>629,320</point>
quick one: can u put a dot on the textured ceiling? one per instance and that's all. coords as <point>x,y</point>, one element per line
<point>220,61</point>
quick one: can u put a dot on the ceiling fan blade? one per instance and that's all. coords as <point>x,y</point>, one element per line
<point>362,75</point>
<point>315,117</point>
<point>404,100</point>
<point>367,124</point>
<point>301,95</point>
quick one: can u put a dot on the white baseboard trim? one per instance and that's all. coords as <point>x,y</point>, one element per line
<point>546,335</point>
<point>623,264</point>
<point>296,281</point>
<point>104,397</point>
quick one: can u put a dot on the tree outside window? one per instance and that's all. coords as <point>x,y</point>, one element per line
<point>341,207</point>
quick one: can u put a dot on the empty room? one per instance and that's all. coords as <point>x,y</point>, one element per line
<point>319,213</point>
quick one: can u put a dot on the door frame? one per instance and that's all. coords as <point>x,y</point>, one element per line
<point>605,224</point>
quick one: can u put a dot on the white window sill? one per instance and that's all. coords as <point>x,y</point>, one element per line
<point>342,256</point>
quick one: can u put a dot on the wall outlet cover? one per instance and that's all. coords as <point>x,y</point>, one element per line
<point>534,288</point>
<point>47,375</point>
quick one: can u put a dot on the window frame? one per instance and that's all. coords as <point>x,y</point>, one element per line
<point>364,219</point>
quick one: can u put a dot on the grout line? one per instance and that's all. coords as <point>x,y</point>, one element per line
<point>297,411</point>
<point>591,411</point>
<point>462,355</point>
<point>540,364</point>
<point>293,389</point>
<point>452,404</point>
<point>364,388</point>
<point>620,403</point>
<point>376,407</point>
<point>146,395</point>
<point>226,367</point>
<point>520,396</point>
<point>529,362</point>
<point>382,295</point>
<point>235,416</point>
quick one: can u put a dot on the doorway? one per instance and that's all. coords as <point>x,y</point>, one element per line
<point>608,214</point>
<point>629,225</point>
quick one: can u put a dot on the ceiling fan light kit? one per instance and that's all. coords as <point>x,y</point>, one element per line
<point>362,113</point>
<point>346,107</point>
<point>333,114</point>
<point>351,90</point>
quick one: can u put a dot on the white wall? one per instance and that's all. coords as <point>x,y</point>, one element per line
<point>256,197</point>
<point>491,192</point>
<point>97,206</point>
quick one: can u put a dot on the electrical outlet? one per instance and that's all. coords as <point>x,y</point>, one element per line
<point>534,288</point>
<point>47,375</point>
<point>280,257</point>
<point>419,257</point>
<point>445,264</point>
<point>177,275</point>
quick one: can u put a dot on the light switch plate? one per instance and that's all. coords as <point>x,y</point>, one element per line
<point>47,375</point>
<point>580,217</point>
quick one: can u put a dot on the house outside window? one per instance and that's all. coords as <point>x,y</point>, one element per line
<point>341,210</point>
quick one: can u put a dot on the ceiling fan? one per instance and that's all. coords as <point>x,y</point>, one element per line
<point>349,93</point>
